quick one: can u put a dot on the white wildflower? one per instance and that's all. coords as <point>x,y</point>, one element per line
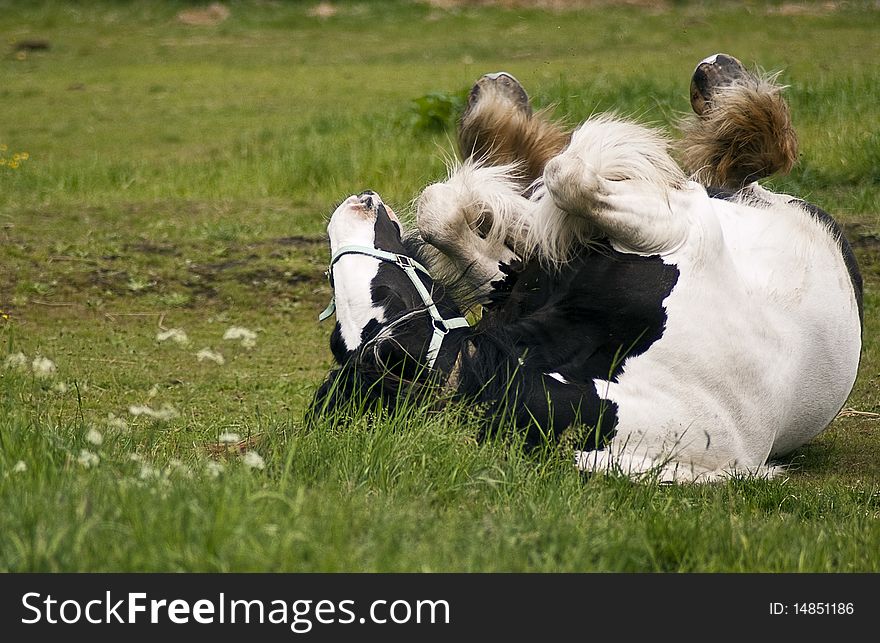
<point>153,392</point>
<point>229,437</point>
<point>176,335</point>
<point>116,423</point>
<point>246,335</point>
<point>88,459</point>
<point>253,460</point>
<point>19,467</point>
<point>16,360</point>
<point>61,388</point>
<point>136,457</point>
<point>214,468</point>
<point>179,467</point>
<point>148,472</point>
<point>93,436</point>
<point>43,367</point>
<point>207,353</point>
<point>167,412</point>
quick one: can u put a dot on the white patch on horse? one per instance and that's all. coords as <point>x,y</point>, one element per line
<point>558,377</point>
<point>710,60</point>
<point>353,274</point>
<point>640,466</point>
<point>763,292</point>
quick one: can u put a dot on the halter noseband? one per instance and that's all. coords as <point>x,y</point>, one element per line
<point>409,266</point>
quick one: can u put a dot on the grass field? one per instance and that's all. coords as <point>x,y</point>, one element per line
<point>159,175</point>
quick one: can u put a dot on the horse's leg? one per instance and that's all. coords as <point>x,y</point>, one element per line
<point>636,216</point>
<point>498,127</point>
<point>467,219</point>
<point>617,177</point>
<point>475,221</point>
<point>741,131</point>
<point>461,219</point>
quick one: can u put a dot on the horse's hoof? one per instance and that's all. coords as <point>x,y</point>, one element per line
<point>712,73</point>
<point>505,87</point>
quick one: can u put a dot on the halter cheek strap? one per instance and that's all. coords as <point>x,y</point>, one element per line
<point>411,268</point>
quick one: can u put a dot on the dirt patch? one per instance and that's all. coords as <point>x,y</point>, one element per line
<point>550,5</point>
<point>323,10</point>
<point>148,247</point>
<point>201,289</point>
<point>655,6</point>
<point>106,279</point>
<point>805,8</point>
<point>31,45</point>
<point>272,266</point>
<point>252,272</point>
<point>175,273</point>
<point>301,242</point>
<point>865,241</point>
<point>270,275</point>
<point>862,235</point>
<point>208,16</point>
<point>211,270</point>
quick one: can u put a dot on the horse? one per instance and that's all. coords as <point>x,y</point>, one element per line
<point>682,330</point>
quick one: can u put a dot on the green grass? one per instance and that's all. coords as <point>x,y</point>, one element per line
<point>180,177</point>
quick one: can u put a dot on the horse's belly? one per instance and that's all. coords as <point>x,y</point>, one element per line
<point>749,366</point>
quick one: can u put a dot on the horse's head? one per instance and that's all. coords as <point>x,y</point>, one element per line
<point>391,319</point>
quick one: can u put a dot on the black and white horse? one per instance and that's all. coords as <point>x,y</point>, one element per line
<point>685,331</point>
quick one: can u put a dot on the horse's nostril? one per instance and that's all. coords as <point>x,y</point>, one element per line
<point>369,199</point>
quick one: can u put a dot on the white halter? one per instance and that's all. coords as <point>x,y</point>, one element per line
<point>409,266</point>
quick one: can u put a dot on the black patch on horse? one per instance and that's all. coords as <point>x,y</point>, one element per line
<point>849,257</point>
<point>581,322</point>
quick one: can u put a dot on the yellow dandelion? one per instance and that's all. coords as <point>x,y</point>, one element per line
<point>16,157</point>
<point>3,147</point>
<point>25,156</point>
<point>2,162</point>
<point>14,165</point>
